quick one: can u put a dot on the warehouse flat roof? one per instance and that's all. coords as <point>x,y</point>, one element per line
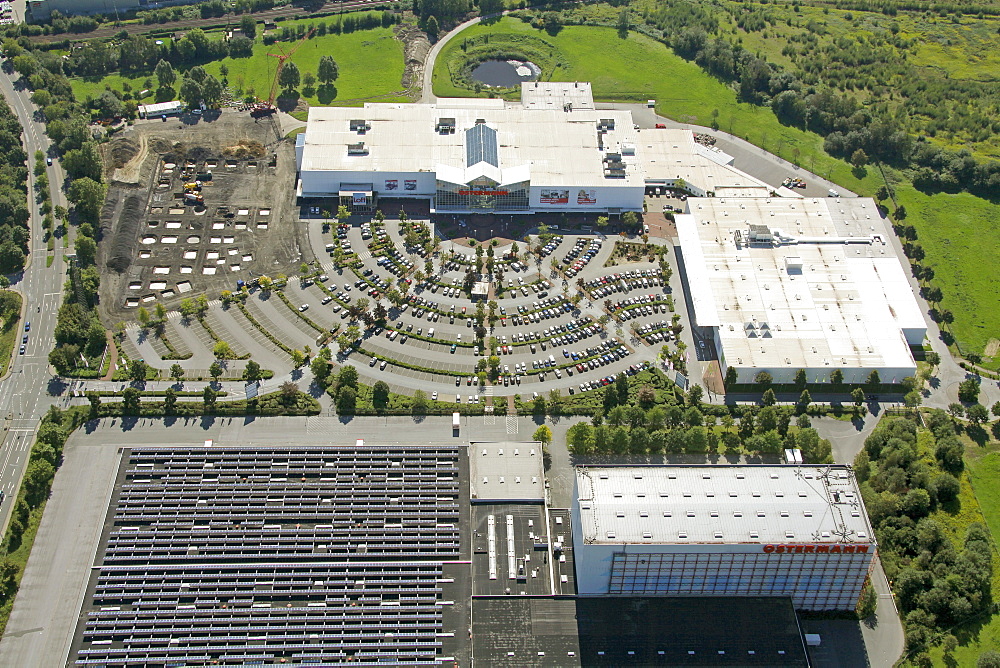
<point>556,95</point>
<point>506,471</point>
<point>817,275</point>
<point>669,154</point>
<point>721,504</point>
<point>554,147</point>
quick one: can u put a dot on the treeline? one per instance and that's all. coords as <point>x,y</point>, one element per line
<point>79,333</point>
<point>635,423</point>
<point>903,480</point>
<point>14,228</point>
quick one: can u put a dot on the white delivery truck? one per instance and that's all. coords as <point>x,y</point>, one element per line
<point>456,421</point>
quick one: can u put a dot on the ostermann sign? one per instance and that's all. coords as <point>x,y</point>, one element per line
<point>816,549</point>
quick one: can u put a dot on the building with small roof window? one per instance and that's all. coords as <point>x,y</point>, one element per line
<point>796,531</point>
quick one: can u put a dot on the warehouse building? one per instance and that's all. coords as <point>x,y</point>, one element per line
<point>783,284</point>
<point>781,531</point>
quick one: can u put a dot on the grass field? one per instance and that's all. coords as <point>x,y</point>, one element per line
<point>961,235</point>
<point>370,64</point>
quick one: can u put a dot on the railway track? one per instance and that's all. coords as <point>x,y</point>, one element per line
<point>289,12</point>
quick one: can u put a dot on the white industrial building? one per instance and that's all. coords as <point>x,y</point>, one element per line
<point>800,283</point>
<point>551,152</point>
<point>795,531</point>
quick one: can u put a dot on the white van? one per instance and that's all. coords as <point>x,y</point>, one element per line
<point>430,332</point>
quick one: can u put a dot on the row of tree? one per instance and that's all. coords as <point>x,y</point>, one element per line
<point>14,230</point>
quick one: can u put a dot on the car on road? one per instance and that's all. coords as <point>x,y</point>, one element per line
<point>381,367</point>
<point>434,396</point>
<point>373,361</point>
<point>48,161</point>
<point>458,381</point>
<point>304,307</point>
<point>27,326</point>
<point>22,349</point>
<point>24,339</point>
<point>453,348</point>
<point>327,300</point>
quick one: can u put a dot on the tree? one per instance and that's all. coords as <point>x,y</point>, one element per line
<point>646,396</point>
<point>191,92</point>
<point>142,315</point>
<point>252,372</point>
<point>209,396</point>
<point>380,396</point>
<point>800,379</point>
<point>211,91</point>
<point>176,372</point>
<point>298,358</point>
<point>431,28</point>
<point>346,401</point>
<point>763,379</point>
<point>86,252</point>
<point>288,392</point>
<point>248,26</point>
<point>328,70</point>
<point>12,258</point>
<point>695,393</point>
<point>289,78</point>
<point>932,358</point>
<point>858,395</point>
<point>988,659</point>
<point>348,377</point>
<point>968,391</point>
<point>804,400</point>
<point>977,414</point>
<point>580,438</point>
<point>731,377</point>
<point>131,401</point>
<point>621,388</point>
<point>165,74</point>
<point>768,398</point>
<point>859,158</point>
<point>419,405</point>
<point>957,410</point>
<point>222,351</point>
<point>215,370</point>
<point>543,435</point>
<point>138,370</point>
<point>88,196</point>
<point>623,23</point>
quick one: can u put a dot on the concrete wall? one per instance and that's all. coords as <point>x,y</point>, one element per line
<point>822,374</point>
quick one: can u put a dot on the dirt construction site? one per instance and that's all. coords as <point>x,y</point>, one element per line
<point>194,205</point>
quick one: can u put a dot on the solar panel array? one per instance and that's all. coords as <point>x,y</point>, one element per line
<point>228,555</point>
<point>481,145</point>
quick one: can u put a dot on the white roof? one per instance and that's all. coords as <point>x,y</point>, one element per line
<point>160,108</point>
<point>554,147</point>
<point>842,302</point>
<point>721,505</point>
<point>556,94</point>
<point>506,470</point>
<point>670,154</point>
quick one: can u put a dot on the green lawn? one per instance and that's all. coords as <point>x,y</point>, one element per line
<point>961,235</point>
<point>370,62</point>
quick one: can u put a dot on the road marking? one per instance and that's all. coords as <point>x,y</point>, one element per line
<point>511,424</point>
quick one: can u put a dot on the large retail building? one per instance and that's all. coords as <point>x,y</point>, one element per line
<point>784,284</point>
<point>552,152</point>
<point>795,531</point>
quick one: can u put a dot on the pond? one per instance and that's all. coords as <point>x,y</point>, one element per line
<point>505,73</point>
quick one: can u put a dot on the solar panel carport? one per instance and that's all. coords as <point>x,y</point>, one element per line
<point>297,554</point>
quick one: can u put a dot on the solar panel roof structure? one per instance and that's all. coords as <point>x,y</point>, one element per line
<point>481,145</point>
<point>297,554</point>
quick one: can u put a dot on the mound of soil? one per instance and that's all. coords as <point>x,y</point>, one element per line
<point>121,151</point>
<point>121,248</point>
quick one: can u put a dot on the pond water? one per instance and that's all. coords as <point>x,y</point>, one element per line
<point>505,73</point>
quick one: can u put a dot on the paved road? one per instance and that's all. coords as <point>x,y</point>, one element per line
<point>427,89</point>
<point>25,392</point>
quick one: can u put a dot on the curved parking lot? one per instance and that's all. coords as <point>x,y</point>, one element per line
<point>567,316</point>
